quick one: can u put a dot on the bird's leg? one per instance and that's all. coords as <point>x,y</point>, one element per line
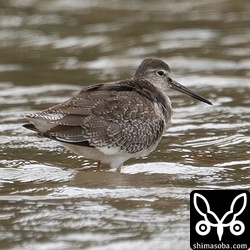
<point>119,169</point>
<point>99,166</point>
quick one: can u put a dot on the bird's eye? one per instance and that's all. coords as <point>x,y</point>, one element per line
<point>160,73</point>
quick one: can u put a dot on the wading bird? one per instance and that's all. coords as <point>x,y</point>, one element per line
<point>115,121</point>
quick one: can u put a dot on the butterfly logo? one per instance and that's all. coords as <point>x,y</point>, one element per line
<point>229,219</point>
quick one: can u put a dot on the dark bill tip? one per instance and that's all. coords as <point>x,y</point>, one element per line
<point>177,86</point>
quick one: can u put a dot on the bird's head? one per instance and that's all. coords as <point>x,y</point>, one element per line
<point>158,73</point>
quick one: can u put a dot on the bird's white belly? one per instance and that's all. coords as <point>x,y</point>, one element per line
<point>112,156</point>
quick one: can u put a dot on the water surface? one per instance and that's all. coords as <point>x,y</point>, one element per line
<point>51,199</point>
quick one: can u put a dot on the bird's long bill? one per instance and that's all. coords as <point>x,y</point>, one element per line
<point>177,86</point>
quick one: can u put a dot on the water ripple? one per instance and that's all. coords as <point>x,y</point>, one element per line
<point>219,141</point>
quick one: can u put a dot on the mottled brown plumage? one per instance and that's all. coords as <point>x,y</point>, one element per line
<point>116,121</point>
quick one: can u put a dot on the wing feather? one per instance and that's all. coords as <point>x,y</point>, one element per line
<point>127,114</point>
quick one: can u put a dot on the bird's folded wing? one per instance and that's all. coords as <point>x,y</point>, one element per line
<point>103,115</point>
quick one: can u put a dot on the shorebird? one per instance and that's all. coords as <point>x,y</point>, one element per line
<point>115,121</point>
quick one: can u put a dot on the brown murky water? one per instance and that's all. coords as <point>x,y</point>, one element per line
<point>51,199</point>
